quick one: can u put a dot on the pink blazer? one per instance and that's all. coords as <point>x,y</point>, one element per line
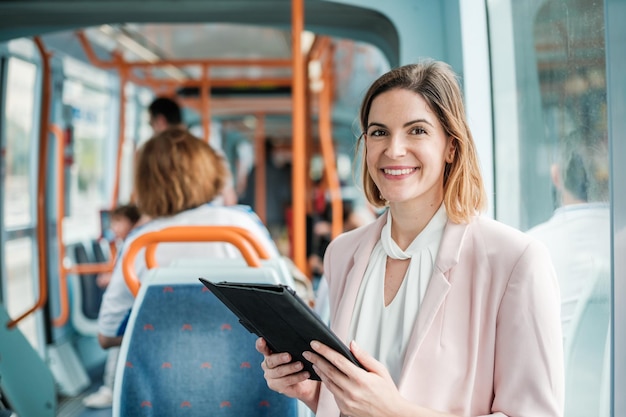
<point>487,340</point>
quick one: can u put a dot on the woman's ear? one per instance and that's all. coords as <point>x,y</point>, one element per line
<point>450,151</point>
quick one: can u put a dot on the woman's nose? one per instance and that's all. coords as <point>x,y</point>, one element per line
<point>396,146</point>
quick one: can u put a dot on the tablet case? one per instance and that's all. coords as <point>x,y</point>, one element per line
<point>276,313</point>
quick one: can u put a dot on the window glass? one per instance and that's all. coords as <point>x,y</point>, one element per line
<point>552,167</point>
<point>92,106</point>
<point>138,130</point>
<point>20,98</point>
<point>19,189</point>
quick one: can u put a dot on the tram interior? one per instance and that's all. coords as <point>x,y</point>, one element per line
<point>94,44</point>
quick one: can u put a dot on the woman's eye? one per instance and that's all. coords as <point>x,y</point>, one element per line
<point>417,131</point>
<point>376,133</point>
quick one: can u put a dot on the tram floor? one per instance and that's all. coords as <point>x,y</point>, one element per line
<point>74,407</point>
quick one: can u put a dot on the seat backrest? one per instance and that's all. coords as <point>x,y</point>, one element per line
<point>99,255</point>
<point>86,294</point>
<point>286,272</point>
<point>184,352</point>
<point>277,264</point>
<point>91,294</point>
<point>586,348</point>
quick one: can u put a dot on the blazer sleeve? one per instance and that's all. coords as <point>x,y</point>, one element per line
<point>529,370</point>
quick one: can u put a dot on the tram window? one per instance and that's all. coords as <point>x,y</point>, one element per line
<point>20,116</point>
<point>93,133</point>
<point>137,131</point>
<point>552,170</point>
<point>18,193</point>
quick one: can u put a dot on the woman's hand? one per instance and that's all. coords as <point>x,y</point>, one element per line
<point>288,378</point>
<point>368,392</point>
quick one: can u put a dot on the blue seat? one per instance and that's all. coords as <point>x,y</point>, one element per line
<point>184,353</point>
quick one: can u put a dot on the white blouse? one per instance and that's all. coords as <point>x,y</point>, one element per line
<point>384,332</point>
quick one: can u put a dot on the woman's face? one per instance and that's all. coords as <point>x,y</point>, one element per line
<point>407,148</point>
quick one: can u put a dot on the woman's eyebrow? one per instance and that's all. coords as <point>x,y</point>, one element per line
<point>375,124</point>
<point>407,124</point>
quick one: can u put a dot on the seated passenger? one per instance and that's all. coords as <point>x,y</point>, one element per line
<point>177,181</point>
<point>165,113</point>
<point>123,219</point>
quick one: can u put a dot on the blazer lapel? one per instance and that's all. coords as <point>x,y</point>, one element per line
<point>438,287</point>
<point>355,276</point>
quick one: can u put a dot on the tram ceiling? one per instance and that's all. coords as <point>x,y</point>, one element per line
<point>24,18</point>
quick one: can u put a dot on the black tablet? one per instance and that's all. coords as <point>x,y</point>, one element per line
<point>276,313</point>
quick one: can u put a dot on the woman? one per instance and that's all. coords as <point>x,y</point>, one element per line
<point>450,313</point>
<point>178,180</point>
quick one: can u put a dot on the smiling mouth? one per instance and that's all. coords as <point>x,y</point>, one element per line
<point>403,171</point>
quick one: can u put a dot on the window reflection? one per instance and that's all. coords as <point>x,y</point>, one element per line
<point>559,66</point>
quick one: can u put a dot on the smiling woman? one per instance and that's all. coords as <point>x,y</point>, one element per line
<point>468,332</point>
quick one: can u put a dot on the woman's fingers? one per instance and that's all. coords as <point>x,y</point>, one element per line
<point>273,361</point>
<point>261,346</point>
<point>368,361</point>
<point>332,357</point>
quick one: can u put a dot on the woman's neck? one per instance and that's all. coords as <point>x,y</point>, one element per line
<point>408,220</point>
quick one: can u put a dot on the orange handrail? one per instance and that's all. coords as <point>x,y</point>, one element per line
<point>41,183</point>
<point>261,251</point>
<point>64,304</point>
<point>299,139</point>
<point>325,131</point>
<point>120,137</point>
<point>185,234</point>
<point>205,101</point>
<point>91,268</point>
<point>265,82</point>
<point>260,177</point>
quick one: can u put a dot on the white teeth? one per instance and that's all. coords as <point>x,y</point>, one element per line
<point>398,171</point>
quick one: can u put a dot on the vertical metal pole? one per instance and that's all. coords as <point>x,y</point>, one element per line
<point>299,128</point>
<point>260,177</point>
<point>123,73</point>
<point>205,110</point>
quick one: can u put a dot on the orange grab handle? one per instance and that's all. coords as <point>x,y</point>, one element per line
<point>185,234</point>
